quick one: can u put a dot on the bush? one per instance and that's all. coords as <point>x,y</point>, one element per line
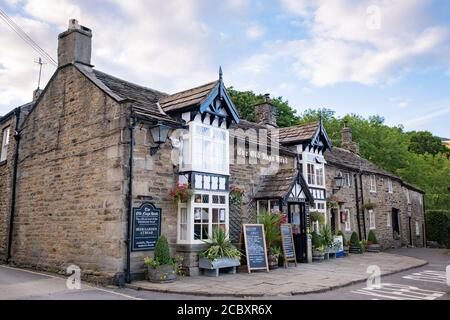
<point>317,216</point>
<point>438,226</point>
<point>162,252</point>
<point>326,235</point>
<point>354,239</point>
<point>372,238</point>
<point>316,240</point>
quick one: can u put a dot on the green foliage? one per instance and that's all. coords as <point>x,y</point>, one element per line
<point>245,102</point>
<point>438,226</point>
<point>220,247</point>
<point>424,142</point>
<point>316,240</point>
<point>372,237</point>
<point>162,251</point>
<point>326,235</point>
<point>271,224</point>
<point>354,239</point>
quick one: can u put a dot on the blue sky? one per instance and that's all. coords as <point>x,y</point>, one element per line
<point>367,57</point>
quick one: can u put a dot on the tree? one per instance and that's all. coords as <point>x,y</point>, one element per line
<point>422,142</point>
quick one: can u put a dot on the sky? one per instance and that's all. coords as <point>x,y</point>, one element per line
<point>369,57</point>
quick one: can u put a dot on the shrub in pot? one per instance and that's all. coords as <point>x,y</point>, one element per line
<point>318,247</point>
<point>272,232</point>
<point>162,267</point>
<point>274,254</point>
<point>220,253</point>
<point>372,242</point>
<point>355,246</point>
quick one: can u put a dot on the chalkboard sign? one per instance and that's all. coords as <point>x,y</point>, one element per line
<point>287,240</point>
<point>255,247</point>
<point>146,227</point>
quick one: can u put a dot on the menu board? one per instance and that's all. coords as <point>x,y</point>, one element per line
<point>255,247</point>
<point>146,227</point>
<point>287,241</point>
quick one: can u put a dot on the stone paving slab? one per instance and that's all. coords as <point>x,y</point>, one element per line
<point>303,279</point>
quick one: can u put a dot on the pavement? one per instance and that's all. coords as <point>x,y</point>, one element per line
<point>423,282</point>
<point>300,280</point>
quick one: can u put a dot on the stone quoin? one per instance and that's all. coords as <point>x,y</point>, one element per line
<point>90,148</point>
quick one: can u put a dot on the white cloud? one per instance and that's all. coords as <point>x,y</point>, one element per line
<point>423,121</point>
<point>341,48</point>
<point>163,45</point>
<point>255,31</point>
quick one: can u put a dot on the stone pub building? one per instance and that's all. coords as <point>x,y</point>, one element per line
<point>91,151</point>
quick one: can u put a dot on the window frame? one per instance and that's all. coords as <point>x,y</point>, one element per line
<point>6,131</point>
<point>348,223</point>
<point>372,220</point>
<point>373,183</point>
<point>390,186</point>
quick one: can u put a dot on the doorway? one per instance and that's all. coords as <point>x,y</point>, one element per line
<point>297,217</point>
<point>395,223</point>
<point>333,214</point>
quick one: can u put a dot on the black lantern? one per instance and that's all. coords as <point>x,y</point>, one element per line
<point>160,133</point>
<point>338,182</point>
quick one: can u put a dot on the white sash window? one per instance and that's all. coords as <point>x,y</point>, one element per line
<point>5,143</point>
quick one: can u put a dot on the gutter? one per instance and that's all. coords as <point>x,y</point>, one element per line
<point>362,202</point>
<point>131,127</point>
<point>357,206</point>
<point>14,184</point>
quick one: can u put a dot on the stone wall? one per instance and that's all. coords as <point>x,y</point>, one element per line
<point>72,181</point>
<point>6,172</point>
<point>384,203</point>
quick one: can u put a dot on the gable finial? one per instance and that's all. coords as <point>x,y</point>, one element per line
<point>220,73</point>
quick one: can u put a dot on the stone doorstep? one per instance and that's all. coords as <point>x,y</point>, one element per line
<point>264,284</point>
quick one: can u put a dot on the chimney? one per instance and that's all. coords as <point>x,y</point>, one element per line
<point>347,140</point>
<point>75,45</point>
<point>266,113</point>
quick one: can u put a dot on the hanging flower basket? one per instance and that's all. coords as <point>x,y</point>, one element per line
<point>181,193</point>
<point>236,195</point>
<point>369,206</point>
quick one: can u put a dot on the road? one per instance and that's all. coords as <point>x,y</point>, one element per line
<point>424,283</point>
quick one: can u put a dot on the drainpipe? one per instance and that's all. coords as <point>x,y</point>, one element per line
<point>357,206</point>
<point>424,227</point>
<point>362,202</point>
<point>130,200</point>
<point>13,190</point>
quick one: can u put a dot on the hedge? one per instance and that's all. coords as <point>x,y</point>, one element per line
<point>438,226</point>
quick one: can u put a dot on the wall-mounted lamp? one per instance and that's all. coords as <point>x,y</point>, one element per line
<point>338,182</point>
<point>160,133</point>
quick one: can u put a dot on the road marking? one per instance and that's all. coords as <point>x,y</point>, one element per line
<point>61,278</point>
<point>428,276</point>
<point>399,292</point>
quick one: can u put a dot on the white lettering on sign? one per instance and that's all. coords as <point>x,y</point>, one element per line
<point>261,155</point>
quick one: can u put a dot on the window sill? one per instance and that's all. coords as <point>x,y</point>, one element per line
<point>2,163</point>
<point>373,191</point>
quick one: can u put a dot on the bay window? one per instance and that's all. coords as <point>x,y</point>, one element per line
<point>5,143</point>
<point>319,176</point>
<point>205,212</point>
<point>205,149</point>
<point>311,174</point>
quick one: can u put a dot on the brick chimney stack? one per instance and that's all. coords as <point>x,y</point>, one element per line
<point>266,113</point>
<point>347,140</point>
<point>75,45</point>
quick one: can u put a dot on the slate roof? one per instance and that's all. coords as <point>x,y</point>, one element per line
<point>298,133</point>
<point>187,98</point>
<point>277,185</point>
<point>245,125</point>
<point>145,99</point>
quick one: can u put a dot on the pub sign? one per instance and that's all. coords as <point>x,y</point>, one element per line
<point>146,227</point>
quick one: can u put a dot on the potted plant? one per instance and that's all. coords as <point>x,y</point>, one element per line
<point>272,232</point>
<point>236,195</point>
<point>318,247</point>
<point>372,242</point>
<point>274,254</point>
<point>181,193</point>
<point>355,246</point>
<point>219,254</point>
<point>162,267</point>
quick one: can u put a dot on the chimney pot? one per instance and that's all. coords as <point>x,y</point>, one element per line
<point>267,97</point>
<point>347,139</point>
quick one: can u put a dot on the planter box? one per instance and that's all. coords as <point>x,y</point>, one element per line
<point>318,256</point>
<point>211,268</point>
<point>373,248</point>
<point>355,249</point>
<point>162,274</point>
